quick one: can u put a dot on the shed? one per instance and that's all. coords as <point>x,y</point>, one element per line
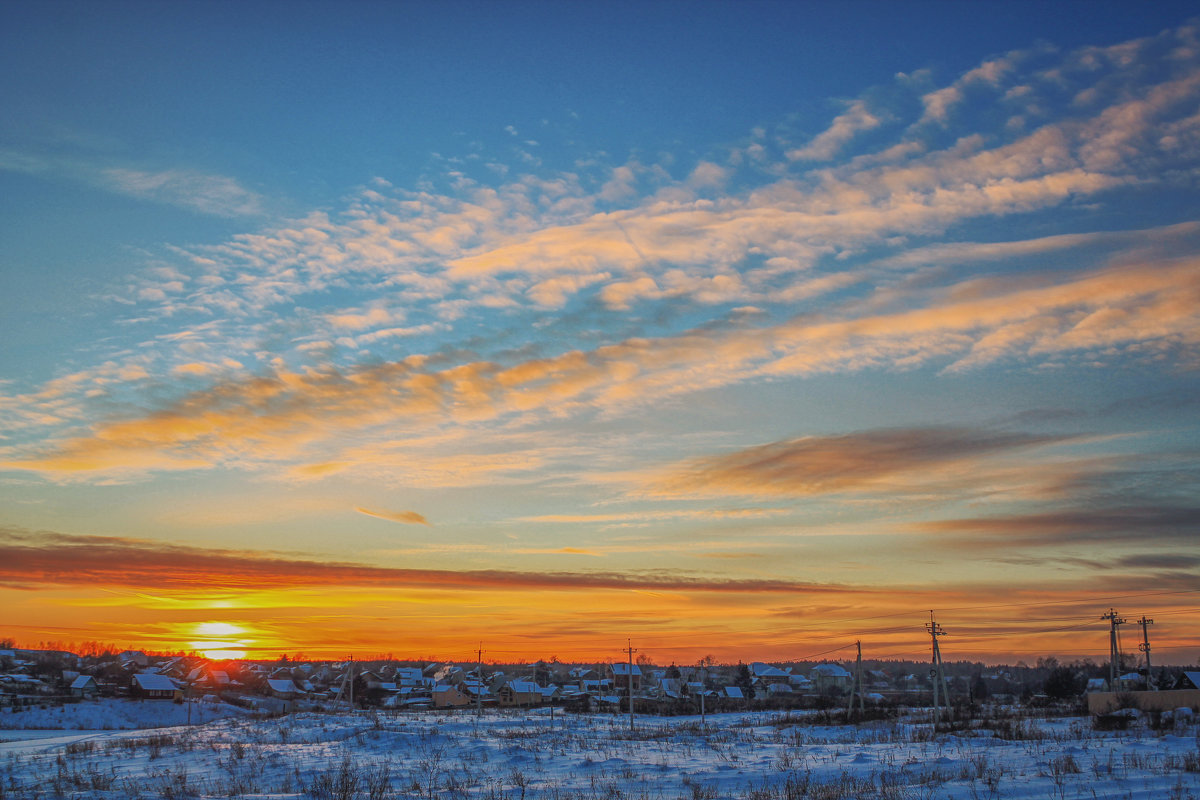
<point>84,686</point>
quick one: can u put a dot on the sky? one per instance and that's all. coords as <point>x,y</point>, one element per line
<point>746,329</point>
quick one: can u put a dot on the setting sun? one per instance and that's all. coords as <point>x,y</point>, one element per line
<point>216,640</point>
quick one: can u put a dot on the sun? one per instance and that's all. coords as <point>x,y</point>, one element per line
<point>220,641</point>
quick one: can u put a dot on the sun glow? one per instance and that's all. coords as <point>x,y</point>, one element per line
<point>220,640</point>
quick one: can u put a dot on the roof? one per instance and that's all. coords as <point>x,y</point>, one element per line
<point>280,685</point>
<point>621,668</point>
<point>1192,678</point>
<point>154,682</point>
<point>82,682</point>
<point>829,671</point>
<point>527,687</point>
<point>761,670</point>
<point>734,692</point>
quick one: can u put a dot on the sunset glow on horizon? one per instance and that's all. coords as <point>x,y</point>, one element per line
<point>743,330</point>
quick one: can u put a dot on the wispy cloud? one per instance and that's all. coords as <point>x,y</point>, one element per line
<point>41,559</point>
<point>870,460</point>
<point>204,192</point>
<point>1143,526</point>
<point>406,517</point>
<point>843,128</point>
<point>554,297</point>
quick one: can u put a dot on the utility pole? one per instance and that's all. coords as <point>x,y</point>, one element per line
<point>1145,648</point>
<point>479,675</point>
<point>937,674</point>
<point>629,680</point>
<point>703,691</point>
<point>347,686</point>
<point>1114,649</point>
<point>856,690</point>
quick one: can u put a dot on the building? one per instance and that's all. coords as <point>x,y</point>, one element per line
<point>829,676</point>
<point>447,696</point>
<point>621,674</point>
<point>520,693</point>
<point>152,686</point>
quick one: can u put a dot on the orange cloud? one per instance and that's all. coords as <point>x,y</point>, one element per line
<point>1145,306</point>
<point>55,559</point>
<point>407,517</point>
<point>851,462</point>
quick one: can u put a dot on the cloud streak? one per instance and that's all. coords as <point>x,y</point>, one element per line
<point>866,461</point>
<point>405,517</point>
<point>44,559</point>
<point>1140,525</point>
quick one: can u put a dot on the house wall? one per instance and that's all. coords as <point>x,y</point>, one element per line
<point>1104,702</point>
<point>511,698</point>
<point>450,699</point>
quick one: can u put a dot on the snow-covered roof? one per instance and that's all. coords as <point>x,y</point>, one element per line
<point>760,670</point>
<point>621,668</point>
<point>735,692</point>
<point>281,686</point>
<point>17,677</point>
<point>1192,678</point>
<point>829,671</point>
<point>525,687</point>
<point>83,681</point>
<point>154,682</point>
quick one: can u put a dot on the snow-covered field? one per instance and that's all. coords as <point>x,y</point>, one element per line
<point>528,756</point>
<point>112,715</point>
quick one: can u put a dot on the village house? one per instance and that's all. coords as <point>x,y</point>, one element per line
<point>621,674</point>
<point>829,676</point>
<point>448,696</point>
<point>207,678</point>
<point>765,674</point>
<point>152,686</point>
<point>520,693</point>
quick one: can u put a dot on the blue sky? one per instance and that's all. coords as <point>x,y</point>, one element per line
<point>713,301</point>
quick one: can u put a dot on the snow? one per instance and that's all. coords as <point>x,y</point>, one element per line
<point>536,756</point>
<point>111,715</point>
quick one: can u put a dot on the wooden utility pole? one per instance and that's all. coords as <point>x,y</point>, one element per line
<point>1114,649</point>
<point>937,674</point>
<point>629,680</point>
<point>1145,648</point>
<point>703,691</point>
<point>856,689</point>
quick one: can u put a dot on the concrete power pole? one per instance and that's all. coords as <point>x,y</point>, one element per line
<point>937,674</point>
<point>629,681</point>
<point>856,690</point>
<point>1145,648</point>
<point>1114,649</point>
<point>479,675</point>
<point>346,689</point>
